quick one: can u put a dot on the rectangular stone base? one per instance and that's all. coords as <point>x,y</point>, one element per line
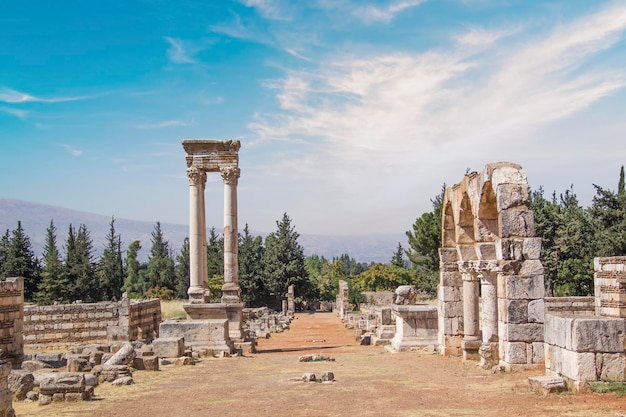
<point>198,334</point>
<point>470,350</point>
<point>233,312</point>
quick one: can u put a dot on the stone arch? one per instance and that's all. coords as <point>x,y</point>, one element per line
<point>492,252</point>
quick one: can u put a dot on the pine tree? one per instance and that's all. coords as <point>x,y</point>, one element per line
<point>111,269</point>
<point>4,251</point>
<point>397,259</point>
<point>620,184</point>
<point>425,238</point>
<point>182,271</point>
<point>21,262</point>
<point>54,285</point>
<point>215,254</point>
<point>283,262</point>
<point>160,273</point>
<point>132,283</point>
<point>250,268</point>
<point>80,265</point>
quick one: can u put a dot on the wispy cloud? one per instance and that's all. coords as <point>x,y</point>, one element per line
<point>166,123</point>
<point>8,95</point>
<point>22,114</point>
<point>370,13</point>
<point>386,109</point>
<point>184,52</point>
<point>72,150</point>
<point>270,9</point>
<point>240,30</point>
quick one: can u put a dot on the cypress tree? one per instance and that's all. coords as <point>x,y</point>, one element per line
<point>160,271</point>
<point>132,283</point>
<point>21,262</point>
<point>54,285</point>
<point>111,268</point>
<point>182,271</point>
<point>250,268</point>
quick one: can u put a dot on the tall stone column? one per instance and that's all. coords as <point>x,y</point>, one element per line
<point>488,275</point>
<point>197,236</point>
<point>471,341</point>
<point>231,290</point>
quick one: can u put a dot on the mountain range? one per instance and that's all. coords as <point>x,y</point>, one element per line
<point>35,219</point>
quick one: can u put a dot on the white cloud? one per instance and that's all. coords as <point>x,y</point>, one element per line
<point>386,14</point>
<point>166,123</point>
<point>8,95</point>
<point>22,114</point>
<point>370,120</point>
<point>72,150</point>
<point>269,9</point>
<point>177,52</point>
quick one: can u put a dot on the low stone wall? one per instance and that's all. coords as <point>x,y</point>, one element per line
<point>11,317</point>
<point>143,320</point>
<point>570,305</point>
<point>58,326</point>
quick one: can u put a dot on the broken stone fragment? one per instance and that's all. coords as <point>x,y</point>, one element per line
<point>124,356</point>
<point>328,376</point>
<point>308,377</point>
<point>125,380</point>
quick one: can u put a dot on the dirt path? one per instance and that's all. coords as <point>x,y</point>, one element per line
<point>369,382</point>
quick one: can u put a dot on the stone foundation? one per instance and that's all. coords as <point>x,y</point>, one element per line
<point>199,334</point>
<point>416,327</point>
<point>12,317</point>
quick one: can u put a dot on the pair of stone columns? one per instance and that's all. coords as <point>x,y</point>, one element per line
<point>197,236</point>
<point>480,275</point>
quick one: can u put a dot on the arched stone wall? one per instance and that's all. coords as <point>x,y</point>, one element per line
<point>490,259</point>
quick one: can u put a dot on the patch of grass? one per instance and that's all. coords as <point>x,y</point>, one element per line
<point>618,388</point>
<point>173,309</point>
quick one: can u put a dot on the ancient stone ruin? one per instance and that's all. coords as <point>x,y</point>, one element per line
<point>490,263</point>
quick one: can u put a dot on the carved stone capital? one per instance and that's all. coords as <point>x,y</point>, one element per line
<point>196,176</point>
<point>230,175</point>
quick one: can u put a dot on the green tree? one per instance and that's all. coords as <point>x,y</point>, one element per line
<point>4,250</point>
<point>215,254</point>
<point>398,259</point>
<point>567,247</point>
<point>251,268</point>
<point>381,277</point>
<point>20,261</point>
<point>283,262</point>
<point>80,266</point>
<point>54,284</point>
<point>132,284</point>
<point>608,211</point>
<point>160,272</point>
<point>425,238</point>
<point>182,271</point>
<point>111,267</point>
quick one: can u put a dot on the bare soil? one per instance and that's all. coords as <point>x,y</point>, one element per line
<point>368,382</point>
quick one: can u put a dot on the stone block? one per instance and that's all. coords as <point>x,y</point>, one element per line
<point>557,329</point>
<point>514,352</point>
<point>509,249</point>
<point>531,268</point>
<point>169,347</point>
<point>536,352</point>
<point>578,366</point>
<point>547,384</point>
<point>448,255</point>
<point>522,287</point>
<point>531,248</point>
<point>516,311</point>
<point>20,383</point>
<point>536,311</point>
<point>450,279</point>
<point>146,363</point>
<point>598,334</point>
<point>452,309</point>
<point>512,195</point>
<point>525,332</point>
<point>517,223</point>
<point>612,366</point>
<point>467,252</point>
<point>449,293</point>
<point>486,250</point>
<point>212,334</point>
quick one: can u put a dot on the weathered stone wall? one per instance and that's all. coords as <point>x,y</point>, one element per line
<point>143,320</point>
<point>57,326</point>
<point>12,317</point>
<point>570,305</point>
<point>6,396</point>
<point>584,340</point>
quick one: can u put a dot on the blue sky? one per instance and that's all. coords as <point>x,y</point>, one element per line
<point>351,114</point>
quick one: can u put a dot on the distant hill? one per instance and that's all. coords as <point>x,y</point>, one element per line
<point>36,218</point>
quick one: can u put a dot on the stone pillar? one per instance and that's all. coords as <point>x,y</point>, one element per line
<point>291,305</point>
<point>231,290</point>
<point>197,236</point>
<point>471,341</point>
<point>489,317</point>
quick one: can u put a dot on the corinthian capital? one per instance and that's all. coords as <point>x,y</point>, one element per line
<point>196,176</point>
<point>230,175</point>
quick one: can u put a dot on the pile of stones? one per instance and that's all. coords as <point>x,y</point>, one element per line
<point>263,321</point>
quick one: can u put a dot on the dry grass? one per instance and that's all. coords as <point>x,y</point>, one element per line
<point>173,309</point>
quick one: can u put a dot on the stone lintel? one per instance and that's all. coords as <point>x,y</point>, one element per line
<point>212,155</point>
